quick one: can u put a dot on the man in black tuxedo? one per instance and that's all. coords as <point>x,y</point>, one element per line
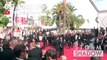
<point>6,41</point>
<point>68,40</point>
<point>50,55</point>
<point>7,52</point>
<point>35,53</point>
<point>72,39</point>
<point>58,46</point>
<point>20,52</point>
<point>44,40</point>
<point>105,44</point>
<point>61,45</point>
<point>49,38</point>
<point>26,37</point>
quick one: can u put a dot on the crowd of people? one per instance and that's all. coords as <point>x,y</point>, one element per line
<point>28,46</point>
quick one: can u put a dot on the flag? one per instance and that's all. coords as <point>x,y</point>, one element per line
<point>23,20</point>
<point>18,19</point>
<point>7,12</point>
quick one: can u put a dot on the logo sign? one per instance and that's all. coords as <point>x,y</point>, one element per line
<point>88,53</point>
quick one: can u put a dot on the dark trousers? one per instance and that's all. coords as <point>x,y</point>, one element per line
<point>79,42</point>
<point>69,43</point>
<point>44,44</point>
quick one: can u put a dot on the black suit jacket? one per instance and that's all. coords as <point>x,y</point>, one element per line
<point>7,54</point>
<point>105,41</point>
<point>15,59</point>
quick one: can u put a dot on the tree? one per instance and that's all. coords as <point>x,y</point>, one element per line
<point>79,21</point>
<point>3,19</point>
<point>2,9</point>
<point>71,19</point>
<point>15,2</point>
<point>57,13</point>
<point>47,20</point>
<point>70,11</point>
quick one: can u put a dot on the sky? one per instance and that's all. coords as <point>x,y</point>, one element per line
<point>84,8</point>
<point>101,4</point>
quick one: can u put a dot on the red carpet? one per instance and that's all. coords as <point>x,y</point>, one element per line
<point>69,54</point>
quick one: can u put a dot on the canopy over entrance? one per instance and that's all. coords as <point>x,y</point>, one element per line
<point>99,5</point>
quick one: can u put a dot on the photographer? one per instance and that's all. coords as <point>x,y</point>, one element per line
<point>105,44</point>
<point>50,55</point>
